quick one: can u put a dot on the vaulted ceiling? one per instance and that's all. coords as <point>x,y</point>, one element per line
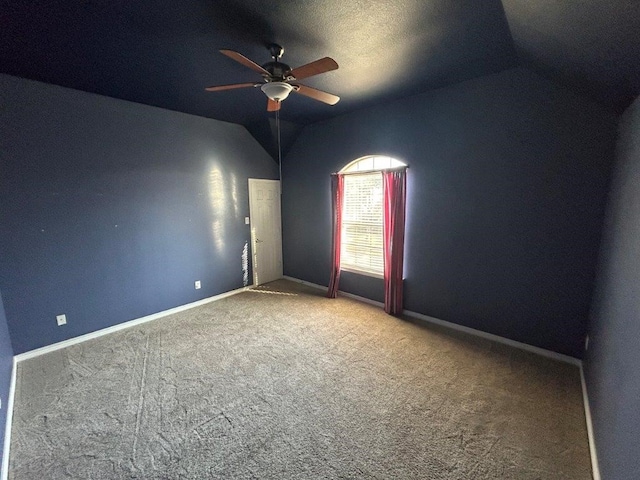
<point>164,53</point>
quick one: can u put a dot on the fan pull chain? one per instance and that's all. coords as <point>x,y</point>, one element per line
<point>279,148</point>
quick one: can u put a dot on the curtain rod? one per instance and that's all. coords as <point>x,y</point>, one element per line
<point>364,172</point>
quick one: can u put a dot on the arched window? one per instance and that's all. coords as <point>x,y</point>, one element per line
<point>372,163</point>
<point>362,244</point>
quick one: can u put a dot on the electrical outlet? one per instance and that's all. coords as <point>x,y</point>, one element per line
<point>246,220</point>
<point>198,285</point>
<point>61,319</point>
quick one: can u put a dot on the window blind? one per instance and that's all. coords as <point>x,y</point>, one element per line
<point>362,224</point>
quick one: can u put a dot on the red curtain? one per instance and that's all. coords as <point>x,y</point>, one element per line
<point>337,198</point>
<point>395,199</point>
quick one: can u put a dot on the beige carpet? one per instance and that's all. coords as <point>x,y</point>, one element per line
<point>282,383</point>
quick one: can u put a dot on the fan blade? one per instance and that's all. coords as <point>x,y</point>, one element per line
<point>244,61</point>
<point>316,94</point>
<point>272,105</point>
<point>323,65</point>
<point>231,87</point>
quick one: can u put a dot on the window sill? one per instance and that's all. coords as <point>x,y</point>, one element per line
<point>361,272</point>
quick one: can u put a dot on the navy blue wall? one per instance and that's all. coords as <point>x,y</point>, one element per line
<point>613,359</point>
<point>6,364</point>
<point>506,193</point>
<point>110,210</point>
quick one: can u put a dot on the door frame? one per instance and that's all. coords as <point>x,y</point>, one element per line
<point>254,250</point>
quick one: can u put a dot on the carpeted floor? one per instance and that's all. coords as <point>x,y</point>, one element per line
<point>282,383</point>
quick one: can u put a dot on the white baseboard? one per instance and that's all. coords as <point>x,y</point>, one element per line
<point>304,282</point>
<point>454,326</point>
<point>595,467</point>
<point>344,294</point>
<point>497,338</point>
<point>121,326</point>
<point>4,471</point>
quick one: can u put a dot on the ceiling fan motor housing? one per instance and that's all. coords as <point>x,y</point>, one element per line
<point>278,72</point>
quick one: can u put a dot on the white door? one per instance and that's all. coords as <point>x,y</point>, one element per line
<point>266,230</point>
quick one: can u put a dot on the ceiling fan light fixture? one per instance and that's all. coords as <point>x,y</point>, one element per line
<point>277,91</point>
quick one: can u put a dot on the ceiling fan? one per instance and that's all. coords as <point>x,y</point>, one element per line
<point>279,79</point>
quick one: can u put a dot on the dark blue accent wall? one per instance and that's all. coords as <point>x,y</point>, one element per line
<point>506,195</point>
<point>6,364</point>
<point>110,210</point>
<point>612,362</point>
